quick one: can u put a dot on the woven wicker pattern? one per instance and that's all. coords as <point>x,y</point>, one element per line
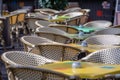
<point>98,24</point>
<point>31,24</point>
<point>24,58</point>
<point>103,40</point>
<point>46,11</point>
<point>32,73</point>
<point>59,52</point>
<point>108,31</point>
<point>107,56</point>
<point>73,9</point>
<point>65,28</point>
<point>42,23</point>
<point>29,43</point>
<point>53,34</point>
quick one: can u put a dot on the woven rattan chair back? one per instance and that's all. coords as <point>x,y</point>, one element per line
<point>59,52</point>
<point>21,17</point>
<point>24,58</point>
<point>107,56</point>
<point>42,23</point>
<point>110,40</point>
<point>53,34</point>
<point>13,19</point>
<point>46,11</point>
<point>73,9</point>
<point>108,31</point>
<point>32,73</point>
<point>65,28</point>
<point>29,43</point>
<point>98,24</point>
<point>31,24</point>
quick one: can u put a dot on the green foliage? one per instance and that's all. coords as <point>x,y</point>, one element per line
<point>53,4</point>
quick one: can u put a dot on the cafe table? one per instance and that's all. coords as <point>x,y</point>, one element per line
<point>90,47</point>
<point>87,70</point>
<point>77,38</point>
<point>87,29</point>
<point>58,18</point>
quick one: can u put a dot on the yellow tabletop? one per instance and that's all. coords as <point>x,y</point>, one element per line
<point>87,70</point>
<point>91,48</point>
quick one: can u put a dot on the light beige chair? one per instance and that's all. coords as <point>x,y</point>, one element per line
<point>53,34</point>
<point>46,11</point>
<point>58,52</point>
<point>65,28</point>
<point>108,31</point>
<point>31,24</point>
<point>42,23</point>
<point>24,58</point>
<point>18,58</point>
<point>29,43</point>
<point>34,73</point>
<point>106,56</point>
<point>76,18</point>
<point>98,24</point>
<point>105,40</point>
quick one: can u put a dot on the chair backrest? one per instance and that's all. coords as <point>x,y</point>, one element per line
<point>60,52</point>
<point>47,11</point>
<point>98,23</point>
<point>65,28</point>
<point>108,31</point>
<point>24,58</point>
<point>29,42</point>
<point>42,23</point>
<point>33,73</point>
<point>13,19</point>
<point>21,17</point>
<point>31,23</point>
<point>75,18</point>
<point>53,34</point>
<point>73,9</point>
<point>110,40</point>
<point>107,56</point>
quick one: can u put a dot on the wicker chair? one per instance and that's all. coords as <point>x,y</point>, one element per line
<point>106,56</point>
<point>59,52</point>
<point>108,31</point>
<point>47,11</point>
<point>98,24</point>
<point>13,27</point>
<point>42,23</point>
<point>110,40</point>
<point>33,73</point>
<point>76,18</point>
<point>31,24</point>
<point>53,34</point>
<point>21,21</point>
<point>29,43</point>
<point>24,58</point>
<point>65,28</point>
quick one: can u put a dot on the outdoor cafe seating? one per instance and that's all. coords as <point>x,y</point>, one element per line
<point>53,44</point>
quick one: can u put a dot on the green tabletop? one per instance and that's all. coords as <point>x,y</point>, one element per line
<point>76,36</point>
<point>87,29</point>
<point>63,17</point>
